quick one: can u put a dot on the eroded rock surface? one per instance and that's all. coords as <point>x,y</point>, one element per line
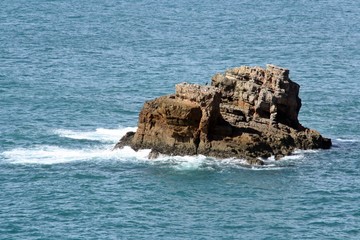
<point>247,112</point>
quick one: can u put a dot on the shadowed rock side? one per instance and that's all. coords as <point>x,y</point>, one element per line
<point>247,112</point>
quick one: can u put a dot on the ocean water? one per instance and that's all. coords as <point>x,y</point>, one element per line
<point>75,74</point>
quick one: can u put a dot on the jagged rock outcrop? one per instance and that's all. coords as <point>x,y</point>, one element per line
<point>260,94</point>
<point>247,112</point>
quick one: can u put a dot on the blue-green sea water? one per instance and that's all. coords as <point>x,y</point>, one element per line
<point>75,74</point>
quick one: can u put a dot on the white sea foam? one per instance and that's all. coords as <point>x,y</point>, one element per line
<point>269,164</point>
<point>182,162</point>
<point>347,140</point>
<point>201,162</point>
<point>235,162</point>
<point>100,134</point>
<point>46,154</point>
<point>293,157</point>
<point>296,155</point>
<point>56,155</point>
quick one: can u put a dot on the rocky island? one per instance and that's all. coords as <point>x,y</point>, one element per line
<point>246,112</point>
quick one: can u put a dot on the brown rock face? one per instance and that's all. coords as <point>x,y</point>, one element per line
<point>248,112</point>
<point>260,94</point>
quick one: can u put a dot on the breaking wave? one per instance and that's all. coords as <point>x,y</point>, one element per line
<point>346,140</point>
<point>100,134</point>
<point>57,155</point>
<point>47,154</point>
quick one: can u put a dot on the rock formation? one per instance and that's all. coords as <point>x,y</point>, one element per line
<point>247,112</point>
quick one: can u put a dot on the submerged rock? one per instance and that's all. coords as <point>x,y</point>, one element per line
<point>247,112</point>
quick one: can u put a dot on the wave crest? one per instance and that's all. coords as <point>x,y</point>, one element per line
<point>57,155</point>
<point>46,154</point>
<point>100,134</point>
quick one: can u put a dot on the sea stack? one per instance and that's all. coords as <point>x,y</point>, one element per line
<point>247,112</point>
